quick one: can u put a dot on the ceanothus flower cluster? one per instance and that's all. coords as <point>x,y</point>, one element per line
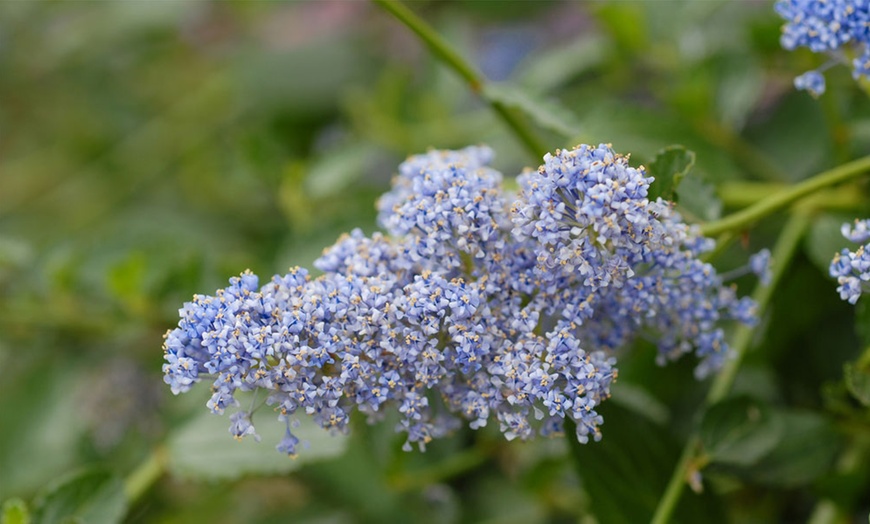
<point>852,269</point>
<point>839,28</point>
<point>470,308</point>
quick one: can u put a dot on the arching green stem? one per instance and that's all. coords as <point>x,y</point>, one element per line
<point>475,80</point>
<point>746,217</point>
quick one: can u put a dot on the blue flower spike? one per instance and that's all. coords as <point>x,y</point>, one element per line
<point>471,308</point>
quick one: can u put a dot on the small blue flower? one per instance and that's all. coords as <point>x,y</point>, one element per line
<point>812,82</point>
<point>241,426</point>
<point>852,268</point>
<point>288,444</point>
<point>858,232</point>
<point>826,26</point>
<point>760,264</point>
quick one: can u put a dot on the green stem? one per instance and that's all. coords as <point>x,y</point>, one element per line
<point>146,474</point>
<point>679,478</point>
<point>775,202</point>
<point>783,251</point>
<point>475,80</point>
<point>740,194</point>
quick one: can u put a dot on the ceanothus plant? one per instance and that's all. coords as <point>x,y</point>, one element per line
<point>484,300</point>
<point>471,308</point>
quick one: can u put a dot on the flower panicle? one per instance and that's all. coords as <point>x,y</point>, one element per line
<point>472,308</point>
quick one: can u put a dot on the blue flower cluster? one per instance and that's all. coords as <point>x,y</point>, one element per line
<point>827,26</point>
<point>470,307</point>
<point>852,269</point>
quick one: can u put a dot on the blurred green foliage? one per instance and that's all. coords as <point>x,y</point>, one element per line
<point>151,150</point>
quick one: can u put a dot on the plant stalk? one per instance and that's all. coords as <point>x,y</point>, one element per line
<point>475,79</point>
<point>746,217</point>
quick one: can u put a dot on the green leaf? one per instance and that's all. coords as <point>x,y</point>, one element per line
<point>857,380</point>
<point>789,137</point>
<point>48,420</point>
<point>15,512</point>
<point>91,496</point>
<point>669,167</point>
<point>205,449</point>
<point>548,114</point>
<point>625,474</point>
<point>698,200</point>
<point>806,451</point>
<point>740,431</point>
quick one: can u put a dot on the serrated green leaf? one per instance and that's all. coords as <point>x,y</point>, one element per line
<point>205,449</point>
<point>15,512</point>
<point>548,114</point>
<point>857,380</point>
<point>93,496</point>
<point>669,167</point>
<point>740,431</point>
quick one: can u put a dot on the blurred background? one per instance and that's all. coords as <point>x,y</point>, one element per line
<point>151,150</point>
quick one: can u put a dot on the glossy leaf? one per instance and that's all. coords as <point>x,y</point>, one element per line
<point>806,451</point>
<point>740,431</point>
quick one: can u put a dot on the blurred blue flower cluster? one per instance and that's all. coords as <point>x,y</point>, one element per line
<point>840,28</point>
<point>852,269</point>
<point>471,307</point>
